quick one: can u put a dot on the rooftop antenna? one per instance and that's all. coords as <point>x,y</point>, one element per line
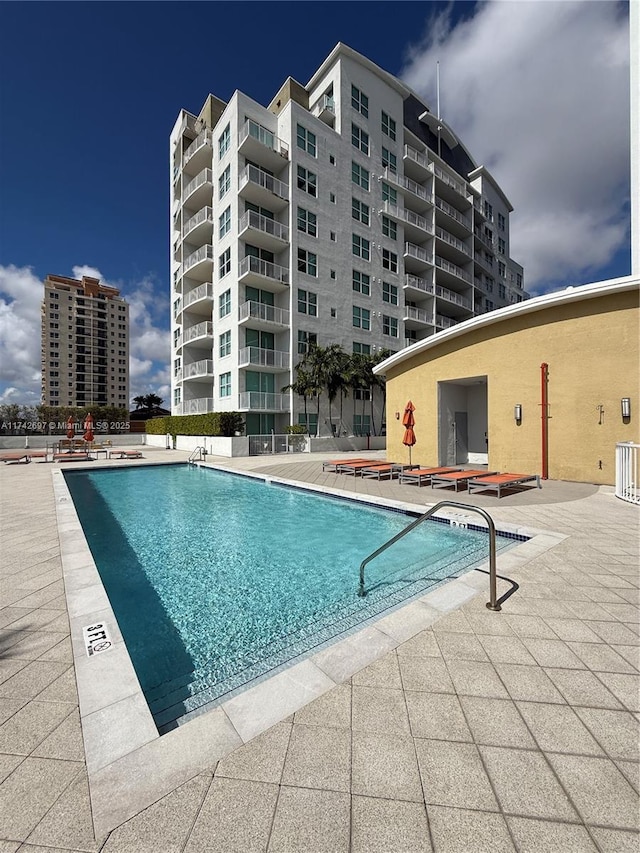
<point>438,102</point>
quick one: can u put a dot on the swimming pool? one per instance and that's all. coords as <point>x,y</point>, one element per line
<point>216,579</point>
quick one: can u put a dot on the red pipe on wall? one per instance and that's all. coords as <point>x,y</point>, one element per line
<point>544,405</point>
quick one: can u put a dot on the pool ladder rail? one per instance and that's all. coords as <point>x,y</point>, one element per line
<point>492,604</point>
<point>197,455</point>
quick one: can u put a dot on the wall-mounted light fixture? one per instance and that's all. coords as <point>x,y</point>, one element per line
<point>517,413</point>
<point>397,416</point>
<point>625,406</point>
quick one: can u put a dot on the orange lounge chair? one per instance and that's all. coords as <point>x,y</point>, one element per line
<point>457,479</point>
<point>420,476</point>
<point>497,482</point>
<point>334,464</point>
<point>390,470</point>
<point>73,456</point>
<point>357,467</point>
<point>125,454</point>
<point>22,456</point>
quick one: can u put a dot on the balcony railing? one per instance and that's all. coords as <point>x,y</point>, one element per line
<point>407,184</point>
<point>205,214</point>
<point>204,367</point>
<point>264,268</point>
<point>264,401</point>
<point>443,322</point>
<point>201,406</point>
<point>263,357</point>
<point>447,266</point>
<point>260,311</point>
<point>420,314</point>
<point>417,157</point>
<point>204,253</point>
<point>203,138</point>
<point>200,330</point>
<point>252,175</point>
<point>418,252</point>
<point>203,177</point>
<point>204,291</point>
<point>251,219</point>
<point>452,296</point>
<point>448,179</point>
<point>266,137</point>
<point>441,234</point>
<point>453,213</point>
<point>418,283</point>
<point>407,216</point>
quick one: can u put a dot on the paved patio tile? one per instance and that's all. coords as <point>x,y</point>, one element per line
<point>385,765</point>
<point>8,764</point>
<point>601,658</point>
<point>32,679</point>
<point>236,817</point>
<point>631,771</point>
<point>461,647</point>
<point>496,722</point>
<point>533,836</point>
<point>553,653</point>
<point>614,633</point>
<point>458,830</point>
<point>618,732</point>
<point>436,715</point>
<point>388,826</point>
<point>616,841</point>
<point>476,678</point>
<point>507,649</point>
<point>430,674</point>
<point>68,823</point>
<point>8,668</point>
<point>598,789</point>
<point>541,796</point>
<point>9,707</point>
<point>626,688</point>
<point>581,687</point>
<point>377,710</point>
<point>318,758</point>
<point>452,775</point>
<point>332,709</point>
<point>630,654</point>
<point>310,820</point>
<point>556,728</point>
<point>65,742</point>
<point>29,726</point>
<point>422,645</point>
<point>455,622</point>
<point>259,760</point>
<point>530,626</point>
<point>572,629</point>
<point>383,673</point>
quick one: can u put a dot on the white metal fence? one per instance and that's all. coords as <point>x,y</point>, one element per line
<point>628,471</point>
<point>265,445</point>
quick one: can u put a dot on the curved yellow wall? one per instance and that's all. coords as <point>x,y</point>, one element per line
<point>592,349</point>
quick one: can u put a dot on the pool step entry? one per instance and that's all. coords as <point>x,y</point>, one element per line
<point>492,604</point>
<point>197,455</point>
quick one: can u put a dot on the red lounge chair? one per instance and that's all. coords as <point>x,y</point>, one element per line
<point>125,454</point>
<point>420,476</point>
<point>334,464</point>
<point>381,471</point>
<point>20,456</point>
<point>457,479</point>
<point>497,482</point>
<point>357,467</point>
<point>73,456</point>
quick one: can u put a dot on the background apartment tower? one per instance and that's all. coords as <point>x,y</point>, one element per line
<point>344,212</point>
<point>85,344</point>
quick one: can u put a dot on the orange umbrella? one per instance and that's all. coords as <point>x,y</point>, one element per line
<point>70,427</point>
<point>88,428</point>
<point>408,421</point>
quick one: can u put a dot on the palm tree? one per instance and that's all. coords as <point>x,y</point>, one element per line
<point>334,360</point>
<point>152,401</point>
<point>139,401</point>
<point>302,387</point>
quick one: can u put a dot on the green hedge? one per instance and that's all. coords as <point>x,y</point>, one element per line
<point>213,423</point>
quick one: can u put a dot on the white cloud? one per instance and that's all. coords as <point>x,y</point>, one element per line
<point>539,94</point>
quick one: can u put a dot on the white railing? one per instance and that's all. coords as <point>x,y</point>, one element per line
<point>264,401</point>
<point>251,219</point>
<point>198,368</point>
<point>203,138</point>
<point>253,175</point>
<point>417,157</point>
<point>453,213</point>
<point>203,291</point>
<point>443,235</point>
<point>261,445</point>
<point>198,407</point>
<point>450,181</point>
<point>418,283</point>
<point>205,214</point>
<point>628,471</point>
<point>452,268</point>
<point>260,311</point>
<point>443,322</point>
<point>407,216</point>
<point>200,330</point>
<point>264,268</point>
<point>407,184</point>
<point>451,296</point>
<point>420,314</point>
<point>203,177</point>
<point>266,137</point>
<point>204,253</point>
<point>263,357</point>
<point>418,252</point>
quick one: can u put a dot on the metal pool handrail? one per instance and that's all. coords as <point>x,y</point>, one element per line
<point>492,604</point>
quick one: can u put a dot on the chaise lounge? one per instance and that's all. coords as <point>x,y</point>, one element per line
<point>72,456</point>
<point>358,467</point>
<point>497,482</point>
<point>125,454</point>
<point>422,476</point>
<point>457,479</point>
<point>334,464</point>
<point>22,456</point>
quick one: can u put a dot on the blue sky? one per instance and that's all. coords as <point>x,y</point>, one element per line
<point>90,92</point>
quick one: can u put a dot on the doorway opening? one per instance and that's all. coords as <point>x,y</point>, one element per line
<point>463,429</point>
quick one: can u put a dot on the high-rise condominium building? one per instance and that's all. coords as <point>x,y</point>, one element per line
<point>343,212</point>
<point>85,344</point>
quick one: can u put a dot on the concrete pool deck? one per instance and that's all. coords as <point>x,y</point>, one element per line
<point>473,730</point>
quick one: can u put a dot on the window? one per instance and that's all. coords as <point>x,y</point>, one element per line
<point>307,262</point>
<point>361,424</point>
<point>307,222</point>
<point>389,160</point>
<point>502,269</point>
<point>361,394</point>
<point>359,101</point>
<point>360,247</point>
<point>224,182</point>
<point>360,176</point>
<point>488,304</point>
<point>502,291</point>
<point>501,222</point>
<point>388,126</point>
<point>389,293</point>
<point>362,318</point>
<point>225,384</point>
<point>307,181</point>
<point>225,344</point>
<point>488,211</point>
<point>224,263</point>
<point>225,303</point>
<point>359,211</point>
<point>389,194</point>
<point>389,260</point>
<point>361,349</point>
<point>488,233</point>
<point>359,139</point>
<point>390,326</point>
<point>361,282</point>
<point>488,283</point>
<point>502,246</point>
<point>519,279</point>
<point>389,228</point>
<point>306,340</point>
<point>307,303</point>
<point>225,222</point>
<point>224,142</point>
<point>306,140</point>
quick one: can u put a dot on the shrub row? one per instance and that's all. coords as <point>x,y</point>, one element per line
<point>213,423</point>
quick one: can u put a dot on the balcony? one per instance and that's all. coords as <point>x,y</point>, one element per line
<point>267,358</point>
<point>263,232</point>
<point>263,274</point>
<point>443,322</point>
<point>416,318</point>
<point>451,246</point>
<point>451,184</point>
<point>453,298</point>
<point>325,110</point>
<point>415,226</point>
<point>201,406</point>
<point>199,300</point>
<point>261,188</point>
<point>199,190</point>
<point>407,186</point>
<point>263,316</point>
<point>452,270</point>
<point>198,154</point>
<point>199,227</point>
<point>416,164</point>
<point>416,257</point>
<point>483,260</point>
<point>197,332</point>
<point>198,369</point>
<point>261,401</point>
<point>199,264</point>
<point>415,283</point>
<point>455,220</point>
<point>261,145</point>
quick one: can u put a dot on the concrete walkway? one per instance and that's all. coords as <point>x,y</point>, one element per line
<point>510,731</point>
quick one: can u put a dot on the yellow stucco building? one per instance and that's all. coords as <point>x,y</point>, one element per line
<point>534,388</point>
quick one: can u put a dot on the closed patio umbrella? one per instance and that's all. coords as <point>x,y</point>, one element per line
<point>70,427</point>
<point>408,422</point>
<point>88,428</point>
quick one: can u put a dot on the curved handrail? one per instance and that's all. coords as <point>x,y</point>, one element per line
<point>492,604</point>
<point>200,450</point>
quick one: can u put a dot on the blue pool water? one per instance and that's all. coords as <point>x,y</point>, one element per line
<point>216,578</point>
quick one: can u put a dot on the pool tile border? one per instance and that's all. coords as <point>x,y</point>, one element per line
<point>120,737</point>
